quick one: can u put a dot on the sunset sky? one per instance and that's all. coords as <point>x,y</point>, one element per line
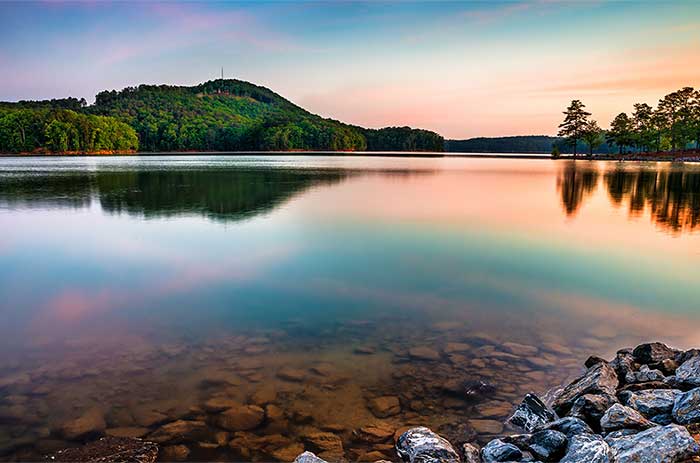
<point>461,69</point>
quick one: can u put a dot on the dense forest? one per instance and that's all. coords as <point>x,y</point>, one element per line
<point>219,115</point>
<point>516,144</point>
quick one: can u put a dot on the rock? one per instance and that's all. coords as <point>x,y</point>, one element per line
<point>219,404</point>
<point>174,453</point>
<point>471,453</point>
<point>421,445</point>
<point>651,402</point>
<point>531,414</point>
<point>653,352</point>
<point>308,457</point>
<point>180,431</point>
<point>264,395</point>
<point>110,450</point>
<point>548,445</point>
<point>383,407</point>
<point>89,423</point>
<point>569,426</point>
<point>689,372</point>
<point>424,353</point>
<point>374,434</point>
<point>364,350</point>
<point>622,417</point>
<point>127,432</point>
<point>456,347</point>
<point>241,418</point>
<point>458,432</point>
<point>469,390</point>
<point>587,448</point>
<point>497,450</point>
<point>521,350</point>
<point>325,442</point>
<point>493,408</point>
<point>599,379</point>
<point>293,452</point>
<point>592,360</point>
<point>686,408</point>
<point>291,374</point>
<point>623,363</point>
<point>148,418</point>
<point>666,366</point>
<point>591,408</point>
<point>644,375</point>
<point>487,426</point>
<point>661,444</point>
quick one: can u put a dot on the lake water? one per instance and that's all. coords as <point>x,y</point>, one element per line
<point>135,290</point>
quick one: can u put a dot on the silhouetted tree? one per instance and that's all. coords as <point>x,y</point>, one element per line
<point>621,132</point>
<point>575,123</point>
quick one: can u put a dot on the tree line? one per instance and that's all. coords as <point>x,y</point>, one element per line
<point>46,130</point>
<point>674,125</point>
<point>219,115</point>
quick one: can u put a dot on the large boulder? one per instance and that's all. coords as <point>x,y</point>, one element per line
<point>599,379</point>
<point>686,409</point>
<point>651,402</point>
<point>661,444</point>
<point>622,417</point>
<point>587,448</point>
<point>497,451</point>
<point>569,426</point>
<point>653,352</point>
<point>531,414</point>
<point>548,445</point>
<point>421,445</point>
<point>688,373</point>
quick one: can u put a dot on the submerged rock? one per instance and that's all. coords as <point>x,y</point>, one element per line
<point>383,407</point>
<point>531,414</point>
<point>110,450</point>
<point>179,431</point>
<point>242,418</point>
<point>587,448</point>
<point>421,445</point>
<point>424,353</point>
<point>686,409</point>
<point>662,444</point>
<point>497,450</point>
<point>621,417</point>
<point>174,453</point>
<point>599,379</point>
<point>89,423</point>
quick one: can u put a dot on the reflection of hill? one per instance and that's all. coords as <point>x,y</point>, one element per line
<point>221,194</point>
<point>575,183</point>
<point>672,196</point>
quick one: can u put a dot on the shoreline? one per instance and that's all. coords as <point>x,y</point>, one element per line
<point>360,154</point>
<point>643,405</point>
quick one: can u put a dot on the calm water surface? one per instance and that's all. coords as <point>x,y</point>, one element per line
<point>135,290</point>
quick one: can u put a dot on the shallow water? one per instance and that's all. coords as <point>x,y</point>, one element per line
<point>135,288</point>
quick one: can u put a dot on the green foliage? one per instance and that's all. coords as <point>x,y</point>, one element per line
<point>403,139</point>
<point>555,151</point>
<point>621,132</point>
<point>593,136</point>
<point>60,130</point>
<point>575,123</point>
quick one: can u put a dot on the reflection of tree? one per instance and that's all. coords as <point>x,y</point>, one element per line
<point>222,194</point>
<point>575,183</point>
<point>671,196</point>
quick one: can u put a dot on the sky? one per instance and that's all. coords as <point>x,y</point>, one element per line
<point>463,69</point>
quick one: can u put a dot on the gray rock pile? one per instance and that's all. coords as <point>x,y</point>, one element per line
<point>639,407</point>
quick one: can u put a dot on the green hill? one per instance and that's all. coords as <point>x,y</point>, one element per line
<point>219,115</point>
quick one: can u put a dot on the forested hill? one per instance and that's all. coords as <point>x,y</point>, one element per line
<point>219,115</point>
<point>517,144</point>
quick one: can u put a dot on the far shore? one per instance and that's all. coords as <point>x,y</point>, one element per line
<point>688,157</point>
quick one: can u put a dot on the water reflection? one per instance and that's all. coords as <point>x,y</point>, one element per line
<point>671,195</point>
<point>221,194</point>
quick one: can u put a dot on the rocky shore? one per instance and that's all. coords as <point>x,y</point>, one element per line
<point>641,406</point>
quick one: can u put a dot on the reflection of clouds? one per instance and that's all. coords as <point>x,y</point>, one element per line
<point>69,308</point>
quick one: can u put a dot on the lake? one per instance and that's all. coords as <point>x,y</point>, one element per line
<point>332,299</point>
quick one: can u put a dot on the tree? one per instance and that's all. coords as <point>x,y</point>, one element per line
<point>575,123</point>
<point>556,153</point>
<point>675,112</point>
<point>645,131</point>
<point>592,135</point>
<point>621,132</point>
